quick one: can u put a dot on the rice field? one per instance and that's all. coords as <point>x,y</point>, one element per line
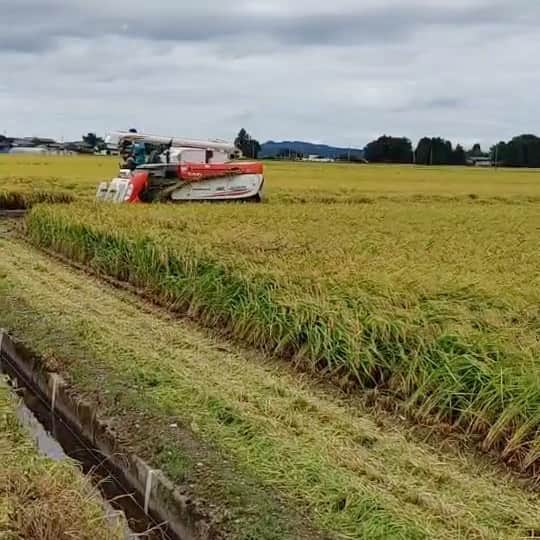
<point>436,305</point>
<point>77,176</point>
<point>298,182</point>
<point>272,454</point>
<point>416,289</point>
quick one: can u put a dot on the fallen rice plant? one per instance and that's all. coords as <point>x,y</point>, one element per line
<point>21,200</point>
<point>452,349</point>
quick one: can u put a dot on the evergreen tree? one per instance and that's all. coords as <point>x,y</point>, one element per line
<point>248,146</point>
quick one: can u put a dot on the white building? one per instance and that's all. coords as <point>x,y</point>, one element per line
<point>481,161</point>
<point>29,150</point>
<point>318,159</point>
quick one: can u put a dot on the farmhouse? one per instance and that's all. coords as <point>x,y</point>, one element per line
<point>482,161</point>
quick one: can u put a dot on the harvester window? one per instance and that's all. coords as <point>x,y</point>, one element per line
<point>209,155</point>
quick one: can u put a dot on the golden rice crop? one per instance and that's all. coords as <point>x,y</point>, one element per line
<point>299,182</point>
<point>77,175</point>
<point>435,303</point>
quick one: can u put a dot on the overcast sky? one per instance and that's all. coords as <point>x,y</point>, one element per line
<point>341,71</point>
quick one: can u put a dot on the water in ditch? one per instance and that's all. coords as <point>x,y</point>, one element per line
<point>57,440</point>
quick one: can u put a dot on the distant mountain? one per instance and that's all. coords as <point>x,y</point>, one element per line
<point>272,149</point>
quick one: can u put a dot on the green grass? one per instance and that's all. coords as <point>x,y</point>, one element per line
<point>284,457</point>
<point>40,498</point>
<point>426,304</point>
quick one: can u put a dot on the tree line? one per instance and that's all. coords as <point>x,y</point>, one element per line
<point>521,151</point>
<point>429,151</point>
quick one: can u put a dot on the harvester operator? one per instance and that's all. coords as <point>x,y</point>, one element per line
<point>139,153</point>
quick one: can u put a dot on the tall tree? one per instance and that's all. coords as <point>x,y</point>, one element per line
<point>93,141</point>
<point>389,150</point>
<point>476,151</point>
<point>247,145</point>
<point>435,151</point>
<point>423,151</point>
<point>499,153</point>
<point>521,151</point>
<point>459,156</point>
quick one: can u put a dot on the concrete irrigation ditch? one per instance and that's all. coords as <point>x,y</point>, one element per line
<point>145,495</point>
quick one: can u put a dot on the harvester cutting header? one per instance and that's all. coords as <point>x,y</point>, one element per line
<point>158,168</point>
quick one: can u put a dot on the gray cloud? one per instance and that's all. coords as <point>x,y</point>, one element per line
<point>343,71</point>
<point>45,21</point>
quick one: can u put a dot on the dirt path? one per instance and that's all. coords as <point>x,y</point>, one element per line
<point>276,455</point>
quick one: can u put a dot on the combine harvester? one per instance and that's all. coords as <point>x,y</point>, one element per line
<point>176,170</point>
